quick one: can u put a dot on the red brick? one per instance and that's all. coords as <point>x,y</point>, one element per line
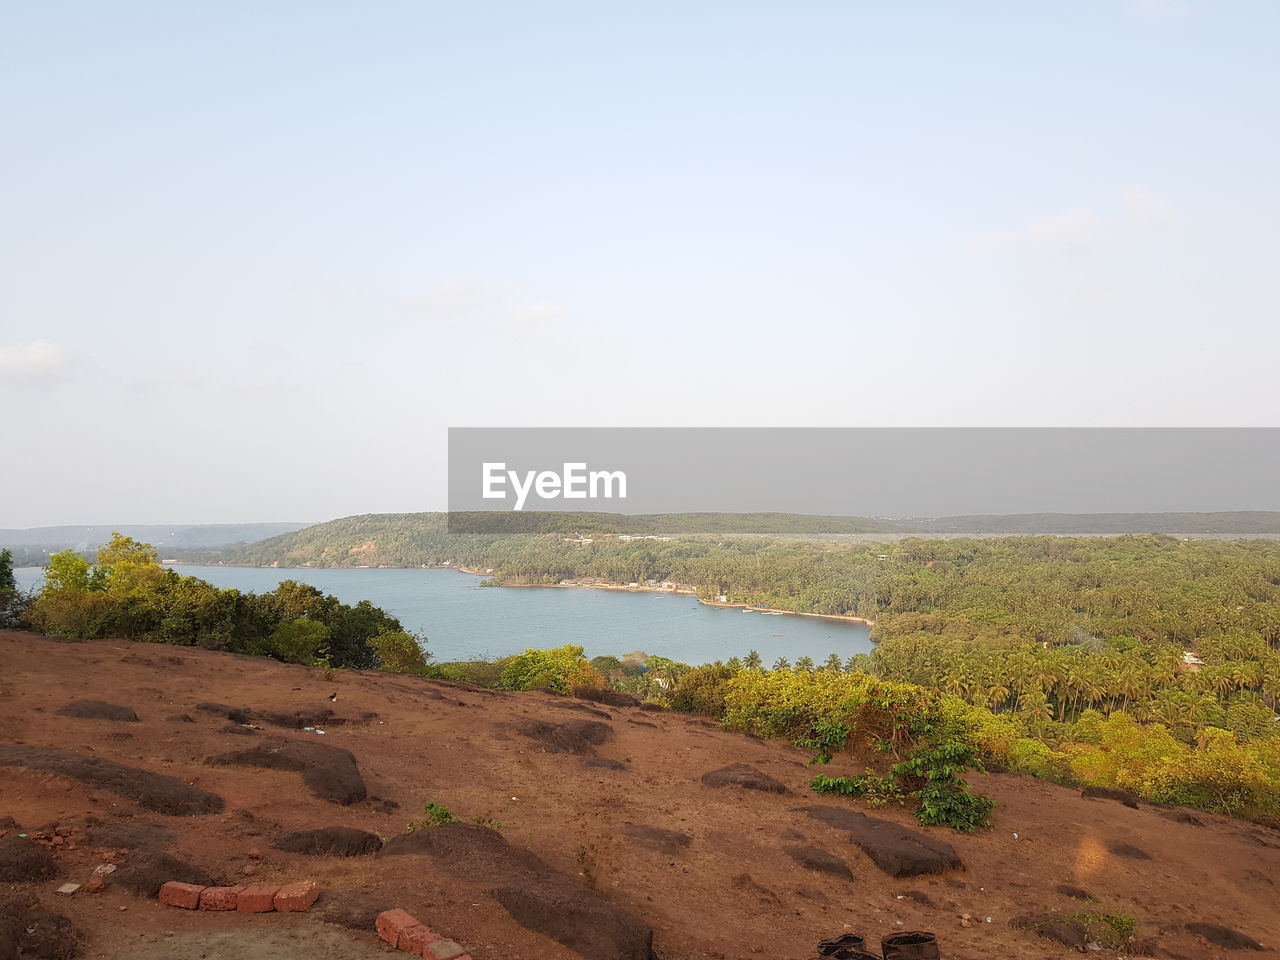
<point>257,899</point>
<point>220,898</point>
<point>444,950</point>
<point>293,897</point>
<point>185,895</point>
<point>416,939</point>
<point>391,923</point>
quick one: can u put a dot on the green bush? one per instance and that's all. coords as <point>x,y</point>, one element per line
<point>560,670</point>
<point>926,738</point>
<point>400,652</point>
<point>300,641</point>
<point>703,690</point>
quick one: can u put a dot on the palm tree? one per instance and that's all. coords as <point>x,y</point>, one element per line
<point>782,663</point>
<point>833,664</point>
<point>752,661</point>
<point>805,664</point>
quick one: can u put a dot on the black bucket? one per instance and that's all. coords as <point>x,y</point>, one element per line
<point>850,941</point>
<point>916,945</point>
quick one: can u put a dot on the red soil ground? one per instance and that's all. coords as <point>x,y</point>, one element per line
<point>731,893</point>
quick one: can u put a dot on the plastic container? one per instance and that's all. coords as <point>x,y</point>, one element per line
<point>914,945</point>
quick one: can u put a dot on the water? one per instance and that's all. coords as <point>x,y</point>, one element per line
<point>464,621</point>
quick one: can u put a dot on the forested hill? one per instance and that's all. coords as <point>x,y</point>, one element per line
<point>1238,522</point>
<point>33,546</point>
<point>413,539</point>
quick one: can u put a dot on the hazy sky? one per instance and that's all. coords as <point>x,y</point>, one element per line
<point>257,256</point>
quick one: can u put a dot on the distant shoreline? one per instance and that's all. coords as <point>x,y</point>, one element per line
<point>682,591</point>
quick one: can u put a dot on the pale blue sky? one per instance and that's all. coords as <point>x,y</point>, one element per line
<point>259,255</point>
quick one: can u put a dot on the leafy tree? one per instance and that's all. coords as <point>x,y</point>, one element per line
<point>560,670</point>
<point>400,652</point>
<point>300,641</point>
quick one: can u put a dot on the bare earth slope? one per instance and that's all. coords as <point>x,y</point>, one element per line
<point>607,822</point>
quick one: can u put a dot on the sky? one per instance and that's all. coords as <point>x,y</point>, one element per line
<point>259,256</point>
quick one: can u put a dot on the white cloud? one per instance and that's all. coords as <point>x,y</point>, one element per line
<point>1139,210</point>
<point>36,360</point>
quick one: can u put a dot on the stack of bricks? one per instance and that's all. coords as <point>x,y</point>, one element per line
<point>290,898</point>
<point>404,932</point>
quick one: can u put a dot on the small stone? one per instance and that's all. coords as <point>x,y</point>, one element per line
<point>255,853</point>
<point>94,884</point>
<point>443,950</point>
<point>67,889</point>
<point>103,869</point>
<point>248,870</point>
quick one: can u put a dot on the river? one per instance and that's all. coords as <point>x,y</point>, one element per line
<point>464,621</point>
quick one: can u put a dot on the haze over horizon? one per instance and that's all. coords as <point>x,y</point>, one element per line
<point>261,257</point>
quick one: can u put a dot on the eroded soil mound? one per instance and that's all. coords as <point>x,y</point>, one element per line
<point>814,858</point>
<point>24,861</point>
<point>98,710</point>
<point>331,842</point>
<point>155,791</point>
<point>132,835</point>
<point>1110,793</point>
<point>613,698</point>
<point>572,736</point>
<point>745,776</point>
<point>28,930</point>
<point>897,850</point>
<point>1225,937</point>
<point>146,871</point>
<point>535,895</point>
<point>329,772</point>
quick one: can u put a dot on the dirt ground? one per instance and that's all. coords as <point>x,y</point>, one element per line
<point>732,892</point>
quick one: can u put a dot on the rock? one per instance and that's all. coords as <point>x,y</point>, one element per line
<point>580,919</point>
<point>1110,793</point>
<point>668,842</point>
<point>97,710</point>
<point>94,884</point>
<point>67,889</point>
<point>329,772</point>
<point>234,714</point>
<point>745,776</point>
<point>155,791</point>
<point>897,850</point>
<point>332,842</point>
<point>1076,893</point>
<point>1224,937</point>
<point>1068,932</point>
<point>573,736</point>
<point>813,858</point>
<point>22,860</point>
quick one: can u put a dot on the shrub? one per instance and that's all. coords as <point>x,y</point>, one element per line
<point>560,670</point>
<point>926,737</point>
<point>300,641</point>
<point>400,652</point>
<point>703,690</point>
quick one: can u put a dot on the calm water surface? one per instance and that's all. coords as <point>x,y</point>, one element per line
<point>464,621</point>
